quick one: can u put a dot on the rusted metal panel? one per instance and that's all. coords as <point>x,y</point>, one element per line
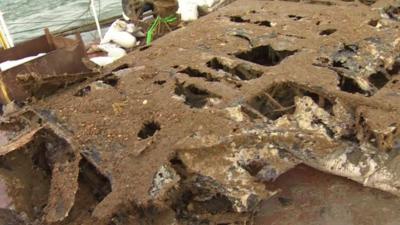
<point>63,56</point>
<point>25,49</point>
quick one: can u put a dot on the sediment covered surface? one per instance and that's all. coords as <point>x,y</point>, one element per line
<point>200,127</point>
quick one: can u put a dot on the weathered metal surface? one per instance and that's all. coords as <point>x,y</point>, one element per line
<point>63,56</point>
<point>39,138</point>
<point>202,123</point>
<point>24,49</point>
<point>309,197</point>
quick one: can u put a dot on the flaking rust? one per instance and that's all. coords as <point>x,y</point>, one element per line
<point>50,147</point>
<point>204,122</point>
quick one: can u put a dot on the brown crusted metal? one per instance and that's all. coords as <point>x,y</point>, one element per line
<point>63,56</point>
<point>182,138</point>
<point>28,48</point>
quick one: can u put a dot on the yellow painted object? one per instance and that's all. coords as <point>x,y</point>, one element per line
<point>3,40</point>
<point>3,87</point>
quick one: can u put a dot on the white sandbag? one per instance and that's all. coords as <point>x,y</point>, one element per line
<point>102,60</point>
<point>113,51</point>
<point>123,39</point>
<point>130,28</point>
<point>118,34</point>
<point>117,26</point>
<point>207,5</point>
<point>122,33</point>
<point>188,9</point>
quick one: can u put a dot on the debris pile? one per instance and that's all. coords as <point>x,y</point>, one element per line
<point>199,127</point>
<point>123,36</point>
<point>365,67</point>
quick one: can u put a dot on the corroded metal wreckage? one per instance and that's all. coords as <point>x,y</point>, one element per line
<point>198,127</point>
<point>57,61</point>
